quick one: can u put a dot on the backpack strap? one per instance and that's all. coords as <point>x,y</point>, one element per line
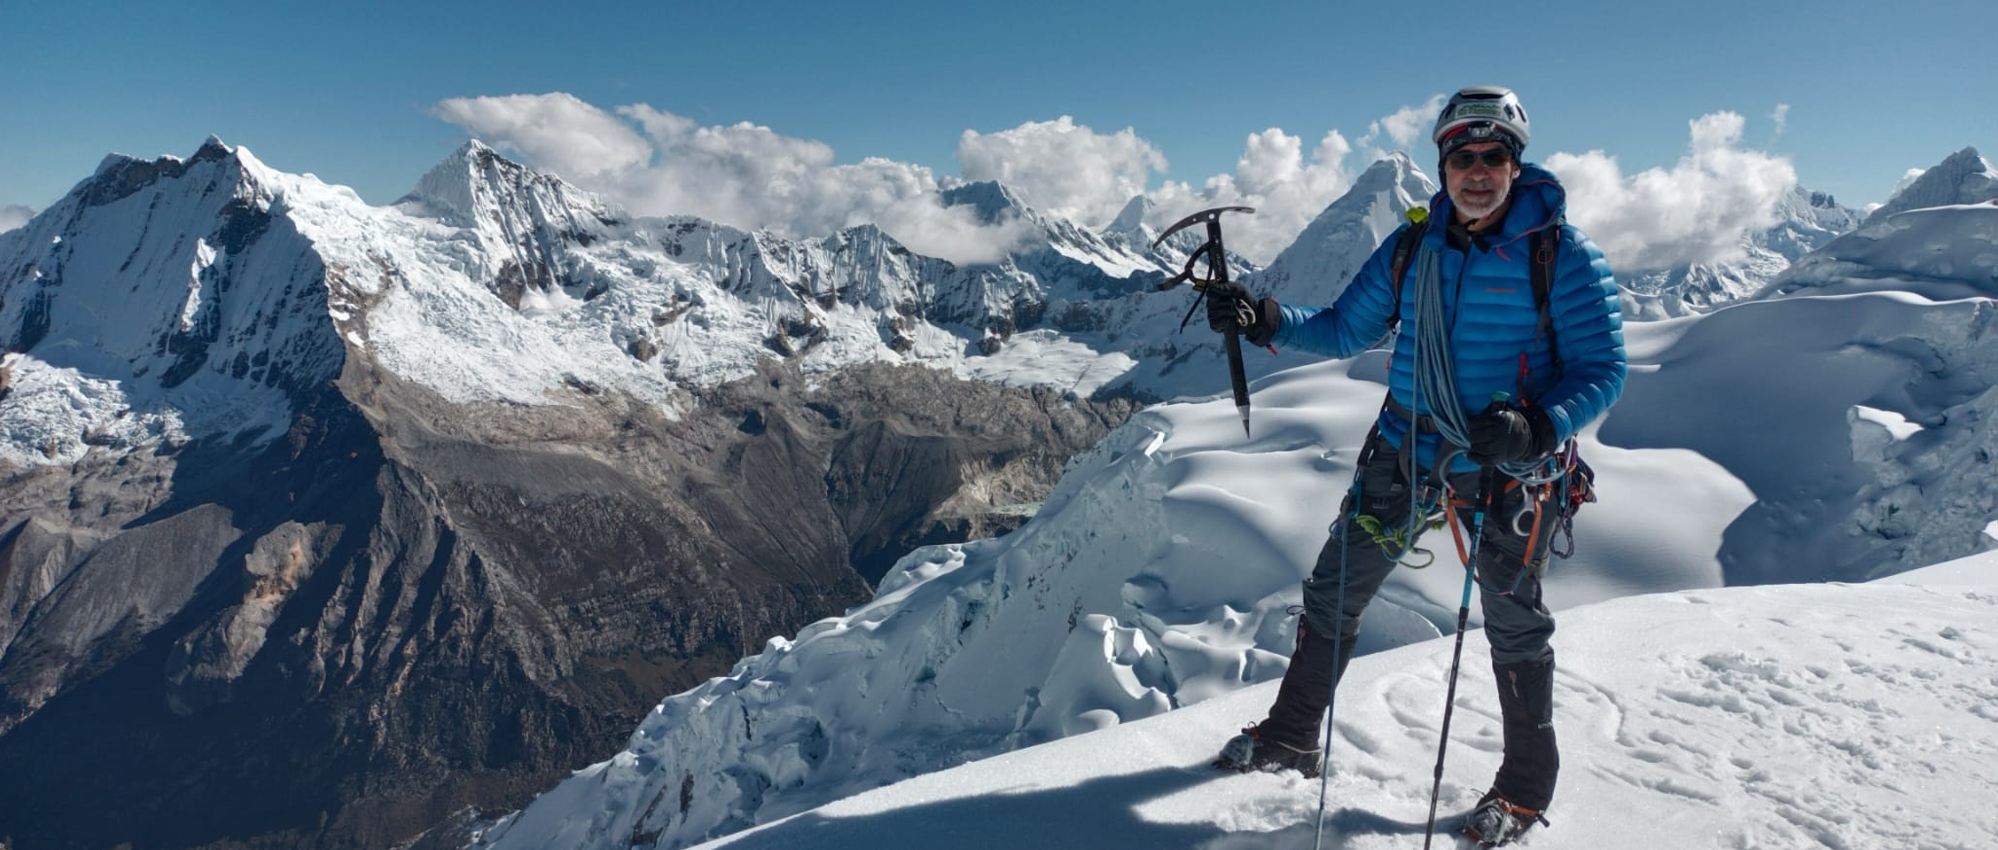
<point>1545,245</point>
<point>1404,254</point>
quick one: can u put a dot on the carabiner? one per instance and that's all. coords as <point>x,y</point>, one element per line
<point>1519,526</point>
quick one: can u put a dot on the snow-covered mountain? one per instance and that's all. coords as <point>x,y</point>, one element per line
<point>1806,220</point>
<point>1964,177</point>
<point>1317,267</point>
<point>420,505</point>
<point>1820,436</point>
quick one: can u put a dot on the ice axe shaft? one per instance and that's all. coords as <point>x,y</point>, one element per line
<point>1217,272</point>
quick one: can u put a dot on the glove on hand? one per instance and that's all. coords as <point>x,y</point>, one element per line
<point>1229,307</point>
<point>1509,434</point>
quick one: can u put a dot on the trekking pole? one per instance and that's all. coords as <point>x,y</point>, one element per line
<point>1338,639</point>
<point>1463,615</point>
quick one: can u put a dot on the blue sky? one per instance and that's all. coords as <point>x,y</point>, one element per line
<point>350,91</point>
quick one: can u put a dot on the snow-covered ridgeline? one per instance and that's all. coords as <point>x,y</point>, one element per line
<point>158,300</point>
<point>1942,252</point>
<point>182,298</point>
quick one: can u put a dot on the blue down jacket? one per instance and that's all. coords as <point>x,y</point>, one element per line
<point>1488,299</point>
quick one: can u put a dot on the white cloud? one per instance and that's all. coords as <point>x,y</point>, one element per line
<point>1700,210</point>
<point>1272,176</point>
<point>1406,129</point>
<point>1063,167</point>
<point>553,131</point>
<point>14,215</point>
<point>654,162</point>
<point>1782,118</point>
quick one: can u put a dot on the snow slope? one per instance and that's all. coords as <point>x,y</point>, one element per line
<point>1806,438</point>
<point>1855,716</point>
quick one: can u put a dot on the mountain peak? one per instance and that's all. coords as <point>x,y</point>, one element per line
<point>119,176</point>
<point>989,198</point>
<point>1315,268</point>
<point>1389,171</point>
<point>1964,177</point>
<point>1131,220</point>
<point>475,178</point>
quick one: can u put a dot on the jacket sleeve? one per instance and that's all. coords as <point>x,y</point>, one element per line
<point>1588,327</point>
<point>1356,320</point>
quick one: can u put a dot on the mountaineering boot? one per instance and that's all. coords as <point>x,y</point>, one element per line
<point>1496,823</point>
<point>1290,733</point>
<point>1250,751</point>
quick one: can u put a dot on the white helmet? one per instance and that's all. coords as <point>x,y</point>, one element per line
<point>1481,114</point>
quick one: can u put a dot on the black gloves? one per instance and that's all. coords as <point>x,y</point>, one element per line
<point>1229,307</point>
<point>1509,434</point>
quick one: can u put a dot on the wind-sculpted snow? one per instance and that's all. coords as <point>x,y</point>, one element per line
<point>1940,252</point>
<point>1159,574</point>
<point>1768,718</point>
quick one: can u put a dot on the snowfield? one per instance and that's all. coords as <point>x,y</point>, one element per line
<point>1855,716</point>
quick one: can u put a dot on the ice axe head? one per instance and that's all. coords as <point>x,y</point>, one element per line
<point>1211,249</point>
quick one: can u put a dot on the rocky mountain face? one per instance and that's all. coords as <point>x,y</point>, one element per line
<point>322,522</point>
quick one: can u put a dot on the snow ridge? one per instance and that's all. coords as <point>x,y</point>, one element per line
<point>160,300</point>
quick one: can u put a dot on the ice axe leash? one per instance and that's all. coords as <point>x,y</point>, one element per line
<point>1217,272</point>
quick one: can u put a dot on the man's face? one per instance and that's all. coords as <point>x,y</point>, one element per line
<point>1479,178</point>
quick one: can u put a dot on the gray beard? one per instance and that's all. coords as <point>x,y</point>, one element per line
<point>1477,214</point>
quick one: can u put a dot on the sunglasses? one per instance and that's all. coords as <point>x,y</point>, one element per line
<point>1493,158</point>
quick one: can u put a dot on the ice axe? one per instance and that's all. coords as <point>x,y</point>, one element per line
<point>1217,272</point>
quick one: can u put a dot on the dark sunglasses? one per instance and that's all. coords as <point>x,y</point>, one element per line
<point>1493,158</point>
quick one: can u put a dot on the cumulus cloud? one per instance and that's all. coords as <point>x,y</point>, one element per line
<point>1063,167</point>
<point>1701,210</point>
<point>654,162</point>
<point>1782,118</point>
<point>1405,129</point>
<point>1273,176</point>
<point>14,215</point>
